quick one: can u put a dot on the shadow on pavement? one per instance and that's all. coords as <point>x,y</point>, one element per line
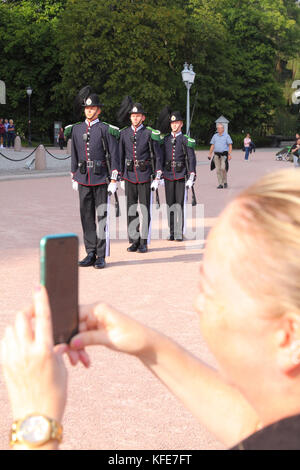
<point>175,259</point>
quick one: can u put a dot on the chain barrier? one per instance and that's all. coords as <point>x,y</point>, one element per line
<point>25,158</point>
<point>20,159</point>
<point>57,158</point>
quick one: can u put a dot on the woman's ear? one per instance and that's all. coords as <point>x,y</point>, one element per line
<point>287,342</point>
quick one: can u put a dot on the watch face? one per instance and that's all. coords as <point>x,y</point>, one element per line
<point>35,430</point>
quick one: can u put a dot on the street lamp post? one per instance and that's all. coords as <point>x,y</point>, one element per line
<point>188,77</point>
<point>29,93</point>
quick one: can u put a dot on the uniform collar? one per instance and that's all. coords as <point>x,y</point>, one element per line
<point>138,128</point>
<point>178,133</point>
<point>90,124</point>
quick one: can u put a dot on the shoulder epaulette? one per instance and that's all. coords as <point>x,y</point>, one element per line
<point>68,129</point>
<point>113,130</point>
<point>155,134</point>
<point>190,142</point>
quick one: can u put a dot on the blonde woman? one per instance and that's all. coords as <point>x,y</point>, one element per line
<point>249,309</point>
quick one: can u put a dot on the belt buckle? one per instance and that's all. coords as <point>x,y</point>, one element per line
<point>89,164</point>
<point>173,164</point>
<point>136,163</point>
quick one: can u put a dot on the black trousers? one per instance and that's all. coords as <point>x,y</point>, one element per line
<point>135,193</point>
<point>175,191</point>
<point>93,213</point>
<point>10,139</point>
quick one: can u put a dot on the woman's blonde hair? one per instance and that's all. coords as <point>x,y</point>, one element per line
<point>265,219</point>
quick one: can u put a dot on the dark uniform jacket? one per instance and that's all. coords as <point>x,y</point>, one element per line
<point>135,155</point>
<point>174,151</point>
<point>93,150</point>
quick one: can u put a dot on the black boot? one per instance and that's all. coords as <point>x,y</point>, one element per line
<point>100,263</point>
<point>89,260</point>
<point>134,246</point>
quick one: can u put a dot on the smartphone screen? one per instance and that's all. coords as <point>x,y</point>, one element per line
<point>59,274</point>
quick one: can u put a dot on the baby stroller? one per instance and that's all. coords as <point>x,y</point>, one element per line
<point>285,154</point>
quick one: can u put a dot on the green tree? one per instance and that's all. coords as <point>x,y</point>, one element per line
<point>29,56</point>
<point>206,47</point>
<point>241,43</point>
<point>241,51</point>
<point>121,48</point>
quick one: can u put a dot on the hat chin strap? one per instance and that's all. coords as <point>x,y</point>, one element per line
<point>94,115</point>
<point>138,124</point>
<point>177,128</point>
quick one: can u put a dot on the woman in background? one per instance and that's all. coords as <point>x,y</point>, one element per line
<point>247,146</point>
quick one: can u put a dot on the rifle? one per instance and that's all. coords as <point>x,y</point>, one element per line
<point>107,158</point>
<point>194,201</point>
<point>153,173</point>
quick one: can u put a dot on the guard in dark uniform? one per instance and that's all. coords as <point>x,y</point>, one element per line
<point>92,141</point>
<point>139,149</point>
<point>178,164</point>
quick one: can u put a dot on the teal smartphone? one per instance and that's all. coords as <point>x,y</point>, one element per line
<point>59,274</point>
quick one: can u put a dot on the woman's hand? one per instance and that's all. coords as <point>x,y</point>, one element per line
<point>34,370</point>
<point>102,325</point>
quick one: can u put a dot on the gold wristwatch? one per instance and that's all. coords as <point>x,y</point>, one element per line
<point>35,430</point>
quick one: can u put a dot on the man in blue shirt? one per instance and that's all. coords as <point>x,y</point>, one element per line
<point>221,146</point>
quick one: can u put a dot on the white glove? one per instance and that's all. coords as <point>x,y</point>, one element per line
<point>114,175</point>
<point>74,183</point>
<point>190,181</point>
<point>122,185</point>
<point>112,188</point>
<point>154,185</point>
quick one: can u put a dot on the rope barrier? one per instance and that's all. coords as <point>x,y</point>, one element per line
<point>29,155</point>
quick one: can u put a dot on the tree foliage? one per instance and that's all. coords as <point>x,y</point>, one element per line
<point>240,50</point>
<point>129,48</point>
<point>250,39</point>
<point>29,57</point>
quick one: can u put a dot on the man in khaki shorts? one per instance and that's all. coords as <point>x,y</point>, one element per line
<point>221,146</point>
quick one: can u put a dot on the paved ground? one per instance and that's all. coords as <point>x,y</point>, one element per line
<point>117,404</point>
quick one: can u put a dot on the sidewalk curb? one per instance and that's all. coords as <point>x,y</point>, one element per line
<point>30,174</point>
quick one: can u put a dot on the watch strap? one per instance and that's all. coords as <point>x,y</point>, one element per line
<point>56,431</point>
